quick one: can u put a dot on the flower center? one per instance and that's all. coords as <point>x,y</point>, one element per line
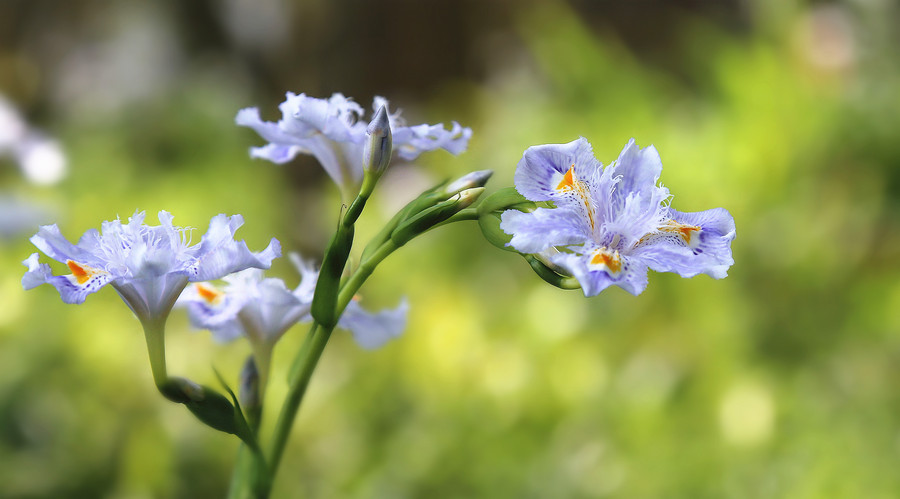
<point>603,258</point>
<point>82,273</point>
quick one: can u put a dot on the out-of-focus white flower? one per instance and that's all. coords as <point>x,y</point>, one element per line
<point>40,158</point>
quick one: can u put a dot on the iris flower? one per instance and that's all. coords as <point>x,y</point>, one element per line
<point>333,130</point>
<point>262,309</point>
<point>148,266</point>
<point>612,224</point>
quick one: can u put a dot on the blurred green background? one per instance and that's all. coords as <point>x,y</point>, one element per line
<point>779,381</point>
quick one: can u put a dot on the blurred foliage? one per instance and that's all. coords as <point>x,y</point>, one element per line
<point>779,381</point>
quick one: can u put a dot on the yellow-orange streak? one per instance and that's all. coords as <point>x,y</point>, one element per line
<point>612,261</point>
<point>568,180</point>
<point>685,231</point>
<point>208,293</point>
<point>82,273</point>
<point>570,183</point>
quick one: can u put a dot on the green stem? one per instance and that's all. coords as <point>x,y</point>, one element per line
<point>461,215</point>
<point>312,348</point>
<point>155,334</point>
<point>251,478</point>
<point>309,358</point>
<point>262,357</point>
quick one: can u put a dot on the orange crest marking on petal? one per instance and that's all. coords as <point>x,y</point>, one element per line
<point>571,184</point>
<point>568,181</point>
<point>82,273</point>
<point>685,231</point>
<point>612,261</point>
<point>209,293</point>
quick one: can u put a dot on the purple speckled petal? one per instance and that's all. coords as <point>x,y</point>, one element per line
<point>679,247</point>
<point>631,276</point>
<point>72,289</point>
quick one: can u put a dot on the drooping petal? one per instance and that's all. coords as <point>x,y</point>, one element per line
<point>73,288</point>
<point>277,153</point>
<point>274,310</point>
<point>249,117</point>
<point>691,243</point>
<point>308,277</point>
<point>373,330</point>
<point>209,307</point>
<point>219,254</point>
<point>598,268</point>
<point>536,231</point>
<point>228,331</point>
<point>49,240</point>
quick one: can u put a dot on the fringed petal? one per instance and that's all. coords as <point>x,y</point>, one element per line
<point>73,288</point>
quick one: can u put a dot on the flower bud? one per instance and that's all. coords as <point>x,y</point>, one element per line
<point>378,148</point>
<point>430,217</point>
<point>467,197</point>
<point>208,405</point>
<point>504,199</point>
<point>468,181</point>
<point>248,390</point>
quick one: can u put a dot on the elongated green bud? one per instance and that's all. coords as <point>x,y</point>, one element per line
<point>505,199</point>
<point>377,151</point>
<point>430,217</point>
<point>427,199</point>
<point>468,181</point>
<point>328,285</point>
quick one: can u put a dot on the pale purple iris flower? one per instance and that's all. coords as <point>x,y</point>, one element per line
<point>334,131</point>
<point>263,309</point>
<point>148,266</point>
<point>612,224</point>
